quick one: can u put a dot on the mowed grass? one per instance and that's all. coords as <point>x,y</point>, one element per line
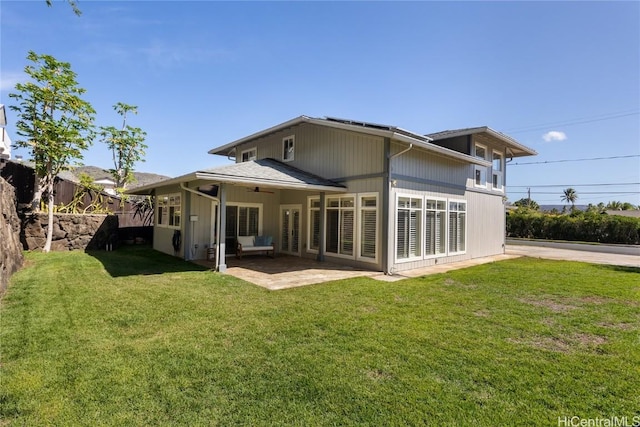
<point>134,337</point>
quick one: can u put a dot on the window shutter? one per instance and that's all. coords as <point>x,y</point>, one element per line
<point>368,237</point>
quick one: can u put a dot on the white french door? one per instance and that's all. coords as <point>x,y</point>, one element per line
<point>290,229</point>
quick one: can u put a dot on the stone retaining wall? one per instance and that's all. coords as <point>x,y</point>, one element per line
<point>10,246</point>
<point>70,231</point>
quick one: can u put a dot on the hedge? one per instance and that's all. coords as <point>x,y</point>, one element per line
<point>585,227</point>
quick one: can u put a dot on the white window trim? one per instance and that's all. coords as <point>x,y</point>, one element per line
<point>466,226</point>
<point>500,173</point>
<point>483,176</point>
<point>395,228</point>
<point>293,152</point>
<point>475,147</point>
<point>355,228</point>
<point>446,227</point>
<point>359,224</point>
<point>250,205</point>
<point>310,199</point>
<point>158,217</point>
<point>255,156</point>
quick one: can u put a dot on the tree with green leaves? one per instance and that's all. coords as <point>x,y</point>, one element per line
<point>569,195</point>
<point>527,203</point>
<point>126,144</point>
<point>56,124</point>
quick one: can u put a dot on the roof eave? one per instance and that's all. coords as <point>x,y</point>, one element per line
<point>521,150</point>
<point>146,189</point>
<point>266,182</point>
<point>225,149</point>
<point>442,151</point>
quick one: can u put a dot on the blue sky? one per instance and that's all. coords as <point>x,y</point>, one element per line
<point>206,73</point>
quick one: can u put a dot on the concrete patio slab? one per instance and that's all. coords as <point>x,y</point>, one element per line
<point>284,272</point>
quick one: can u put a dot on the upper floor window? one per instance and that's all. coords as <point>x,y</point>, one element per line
<point>250,154</point>
<point>288,144</point>
<point>480,176</point>
<point>497,170</point>
<point>480,151</point>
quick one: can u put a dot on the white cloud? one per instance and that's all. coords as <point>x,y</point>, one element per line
<point>554,135</point>
<point>8,80</point>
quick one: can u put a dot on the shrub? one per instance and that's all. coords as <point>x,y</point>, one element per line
<point>579,226</point>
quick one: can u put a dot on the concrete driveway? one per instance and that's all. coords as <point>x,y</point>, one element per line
<point>579,252</point>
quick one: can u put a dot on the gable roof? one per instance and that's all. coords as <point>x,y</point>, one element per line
<point>515,148</point>
<point>258,173</point>
<point>387,131</point>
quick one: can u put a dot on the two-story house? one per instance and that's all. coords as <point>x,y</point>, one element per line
<point>368,195</point>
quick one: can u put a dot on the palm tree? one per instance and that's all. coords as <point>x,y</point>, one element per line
<point>570,196</point>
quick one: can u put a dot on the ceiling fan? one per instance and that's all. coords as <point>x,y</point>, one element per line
<point>258,190</point>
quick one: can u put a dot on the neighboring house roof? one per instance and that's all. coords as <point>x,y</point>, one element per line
<point>628,213</point>
<point>515,148</point>
<point>386,131</point>
<point>105,181</point>
<point>258,173</point>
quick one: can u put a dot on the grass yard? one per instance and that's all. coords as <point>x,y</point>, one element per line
<point>134,337</point>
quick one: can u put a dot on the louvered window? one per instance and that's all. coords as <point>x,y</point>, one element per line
<point>435,226</point>
<point>368,226</point>
<point>248,218</point>
<point>457,226</point>
<point>340,225</point>
<point>314,224</point>
<point>408,227</point>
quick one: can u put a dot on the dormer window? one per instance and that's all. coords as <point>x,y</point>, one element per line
<point>288,146</point>
<point>248,155</point>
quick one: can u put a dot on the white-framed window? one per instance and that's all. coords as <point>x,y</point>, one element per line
<point>248,155</point>
<point>340,222</point>
<point>243,219</point>
<point>497,171</point>
<point>408,227</point>
<point>313,229</point>
<point>435,226</point>
<point>368,227</point>
<point>168,210</point>
<point>480,151</point>
<point>480,176</point>
<point>288,148</point>
<point>457,227</point>
<point>351,226</point>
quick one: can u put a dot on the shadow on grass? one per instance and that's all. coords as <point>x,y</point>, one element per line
<point>621,268</point>
<point>141,260</point>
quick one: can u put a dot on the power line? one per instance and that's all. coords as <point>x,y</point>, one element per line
<point>572,122</point>
<point>574,185</point>
<point>582,192</point>
<point>574,160</point>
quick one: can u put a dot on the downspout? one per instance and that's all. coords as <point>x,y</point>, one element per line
<point>389,209</point>
<point>400,153</point>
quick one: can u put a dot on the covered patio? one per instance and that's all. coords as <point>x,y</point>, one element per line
<point>285,271</point>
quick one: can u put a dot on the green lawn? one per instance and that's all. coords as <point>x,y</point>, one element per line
<point>134,337</point>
